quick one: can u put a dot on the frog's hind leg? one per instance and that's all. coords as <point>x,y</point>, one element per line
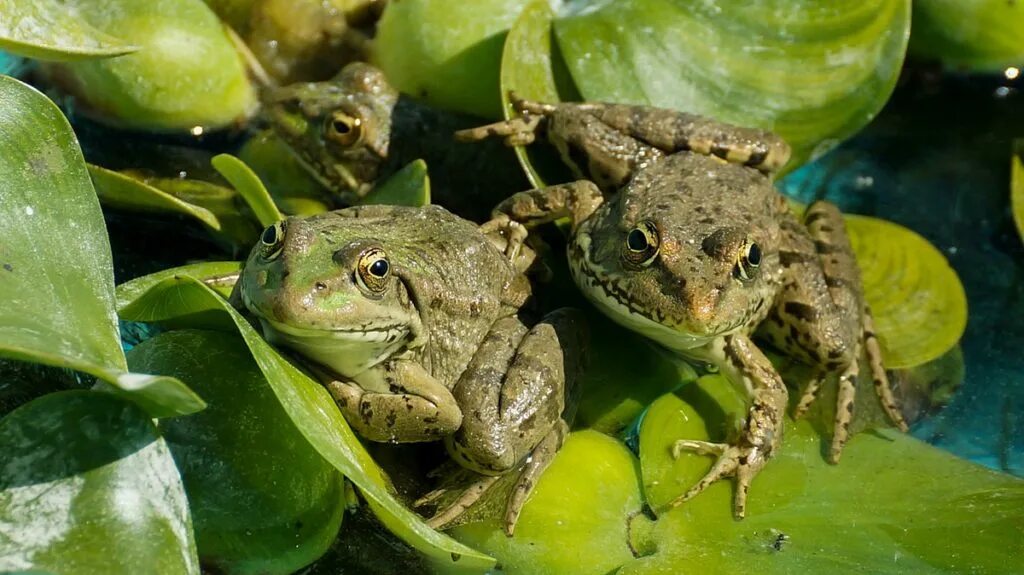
<point>518,395</point>
<point>520,131</point>
<point>881,381</point>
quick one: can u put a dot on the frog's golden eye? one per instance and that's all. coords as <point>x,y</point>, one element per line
<point>344,129</point>
<point>272,241</point>
<point>373,270</point>
<point>748,262</point>
<point>642,244</point>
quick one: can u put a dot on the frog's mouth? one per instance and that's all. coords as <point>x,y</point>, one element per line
<point>363,334</point>
<point>346,351</point>
<point>604,292</point>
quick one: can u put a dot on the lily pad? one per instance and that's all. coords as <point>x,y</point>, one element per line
<point>409,186</point>
<point>262,499</point>
<point>84,469</point>
<point>249,186</point>
<point>313,412</point>
<point>56,275</point>
<point>925,512</point>
<point>52,30</point>
<point>976,34</point>
<point>917,300</point>
<point>1017,186</point>
<point>813,72</point>
<point>187,76</point>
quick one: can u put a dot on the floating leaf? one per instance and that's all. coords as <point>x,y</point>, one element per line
<point>262,499</point>
<point>1017,186</point>
<point>314,413</point>
<point>409,186</point>
<point>916,298</point>
<point>814,72</point>
<point>249,186</point>
<point>56,275</point>
<point>928,512</point>
<point>187,76</point>
<point>82,470</point>
<point>977,34</point>
<point>52,30</point>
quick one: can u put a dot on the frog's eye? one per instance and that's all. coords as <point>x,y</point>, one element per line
<point>272,241</point>
<point>344,129</point>
<point>373,270</point>
<point>748,262</point>
<point>642,244</point>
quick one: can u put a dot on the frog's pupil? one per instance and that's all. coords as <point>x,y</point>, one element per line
<point>379,268</point>
<point>340,127</point>
<point>269,235</point>
<point>637,241</point>
<point>754,255</point>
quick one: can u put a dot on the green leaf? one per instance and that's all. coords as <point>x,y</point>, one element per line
<point>56,275</point>
<point>311,408</point>
<point>121,191</point>
<point>187,75</point>
<point>814,72</point>
<point>52,30</point>
<point>1017,186</point>
<point>981,35</point>
<point>248,184</point>
<point>220,276</point>
<point>262,499</point>
<point>892,505</point>
<point>291,185</point>
<point>80,471</point>
<point>409,186</point>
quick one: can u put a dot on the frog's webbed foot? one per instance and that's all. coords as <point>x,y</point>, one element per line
<point>742,462</point>
<point>501,229</point>
<point>519,131</point>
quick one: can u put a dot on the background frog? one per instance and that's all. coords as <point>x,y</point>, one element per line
<point>419,324</point>
<point>695,249</point>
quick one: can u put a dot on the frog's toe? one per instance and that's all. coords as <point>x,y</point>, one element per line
<point>466,499</point>
<point>733,461</point>
<point>524,106</point>
<point>698,447</point>
<point>807,398</point>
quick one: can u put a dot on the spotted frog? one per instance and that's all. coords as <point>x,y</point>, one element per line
<point>678,233</point>
<point>356,129</point>
<point>419,323</point>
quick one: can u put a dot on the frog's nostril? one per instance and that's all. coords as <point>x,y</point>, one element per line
<point>320,286</point>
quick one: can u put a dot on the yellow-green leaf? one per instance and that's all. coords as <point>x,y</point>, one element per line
<point>409,186</point>
<point>1017,186</point>
<point>249,186</point>
<point>53,30</point>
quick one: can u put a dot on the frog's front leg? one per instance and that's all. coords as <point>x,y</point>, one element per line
<point>575,200</point>
<point>518,395</point>
<point>742,362</point>
<point>397,401</point>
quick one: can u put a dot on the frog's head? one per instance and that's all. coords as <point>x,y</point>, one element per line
<point>686,252</point>
<point>339,129</point>
<point>326,288</point>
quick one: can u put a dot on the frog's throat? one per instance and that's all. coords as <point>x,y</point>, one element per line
<point>601,289</point>
<point>339,180</point>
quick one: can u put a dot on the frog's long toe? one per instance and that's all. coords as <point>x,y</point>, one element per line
<point>471,495</point>
<point>536,463</point>
<point>524,106</point>
<point>520,131</point>
<point>743,463</point>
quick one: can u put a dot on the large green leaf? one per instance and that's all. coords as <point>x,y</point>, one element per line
<point>56,275</point>
<point>1017,186</point>
<point>54,30</point>
<point>314,413</point>
<point>978,34</point>
<point>87,486</point>
<point>249,186</point>
<point>409,186</point>
<point>262,499</point>
<point>813,71</point>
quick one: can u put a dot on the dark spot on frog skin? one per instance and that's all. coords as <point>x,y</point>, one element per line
<point>390,419</point>
<point>9,267</point>
<point>801,311</point>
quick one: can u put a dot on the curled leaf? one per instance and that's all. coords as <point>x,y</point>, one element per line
<point>249,186</point>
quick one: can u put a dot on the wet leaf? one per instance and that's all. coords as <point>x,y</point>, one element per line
<point>82,470</point>
<point>976,34</point>
<point>220,276</point>
<point>409,186</point>
<point>576,518</point>
<point>249,186</point>
<point>294,190</point>
<point>121,191</point>
<point>925,512</point>
<point>187,75</point>
<point>52,30</point>
<point>56,275</point>
<point>262,499</point>
<point>813,72</point>
<point>1017,186</point>
<point>314,413</point>
<point>918,302</point>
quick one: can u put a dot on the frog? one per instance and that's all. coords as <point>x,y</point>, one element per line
<point>677,232</point>
<point>423,326</point>
<point>355,129</point>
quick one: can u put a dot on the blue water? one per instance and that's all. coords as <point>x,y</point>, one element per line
<point>937,161</point>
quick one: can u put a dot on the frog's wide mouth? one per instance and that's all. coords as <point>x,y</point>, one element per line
<point>376,334</point>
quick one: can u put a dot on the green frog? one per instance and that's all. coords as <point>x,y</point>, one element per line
<point>420,324</point>
<point>678,233</point>
<point>356,129</point>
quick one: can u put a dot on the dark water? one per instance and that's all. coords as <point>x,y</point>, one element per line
<point>937,160</point>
